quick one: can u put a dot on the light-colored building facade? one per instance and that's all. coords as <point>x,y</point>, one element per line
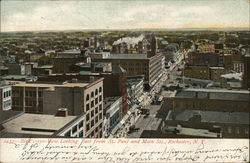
<point>112,114</point>
<point>77,97</point>
<point>42,125</point>
<point>135,89</point>
<point>5,97</point>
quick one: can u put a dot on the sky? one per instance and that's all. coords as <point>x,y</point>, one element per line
<point>37,15</point>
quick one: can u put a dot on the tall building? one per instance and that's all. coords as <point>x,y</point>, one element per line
<point>139,64</point>
<point>21,125</point>
<point>208,113</point>
<point>64,61</point>
<point>5,97</point>
<point>48,97</point>
<point>212,100</point>
<point>246,72</point>
<point>112,114</point>
<point>114,83</point>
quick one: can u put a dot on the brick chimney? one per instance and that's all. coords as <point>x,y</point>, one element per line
<point>62,112</point>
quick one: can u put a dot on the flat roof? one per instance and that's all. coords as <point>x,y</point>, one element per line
<point>127,56</point>
<point>45,66</point>
<point>15,77</point>
<point>51,85</point>
<point>71,51</point>
<point>194,132</point>
<point>134,80</point>
<point>36,121</point>
<point>96,64</point>
<point>217,94</point>
<point>209,116</point>
<point>8,114</point>
<point>108,101</point>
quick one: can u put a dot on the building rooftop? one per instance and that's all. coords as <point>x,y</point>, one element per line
<point>237,76</point>
<point>217,94</point>
<point>127,56</point>
<point>71,51</point>
<point>190,132</point>
<point>44,67</point>
<point>96,64</point>
<point>88,73</point>
<point>15,77</point>
<point>51,85</point>
<point>108,101</point>
<point>8,114</point>
<point>3,68</point>
<point>40,124</point>
<point>134,80</point>
<point>4,85</point>
<point>209,116</point>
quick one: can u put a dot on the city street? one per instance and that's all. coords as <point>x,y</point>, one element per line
<point>146,123</point>
<point>153,120</point>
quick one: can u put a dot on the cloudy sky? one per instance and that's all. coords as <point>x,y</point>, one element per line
<point>32,15</point>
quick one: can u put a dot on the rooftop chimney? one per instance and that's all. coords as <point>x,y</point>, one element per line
<point>62,112</point>
<point>196,117</point>
<point>91,79</point>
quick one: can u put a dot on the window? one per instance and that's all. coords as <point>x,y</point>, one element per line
<point>39,94</point>
<point>92,113</point>
<point>92,123</point>
<point>96,100</point>
<point>87,97</point>
<point>92,103</point>
<point>96,110</point>
<point>100,98</point>
<point>87,117</point>
<point>100,107</point>
<point>68,133</point>
<point>246,131</point>
<point>96,119</point>
<point>92,94</point>
<point>74,129</point>
<point>81,134</point>
<point>96,91</point>
<point>80,124</point>
<point>87,107</point>
<point>100,116</point>
<point>87,127</point>
<point>100,89</point>
<point>229,130</point>
<point>237,129</point>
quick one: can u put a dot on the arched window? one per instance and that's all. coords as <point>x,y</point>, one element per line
<point>100,89</point>
<point>92,94</point>
<point>87,97</point>
<point>96,91</point>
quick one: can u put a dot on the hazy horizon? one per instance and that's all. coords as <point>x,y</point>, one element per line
<point>61,15</point>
